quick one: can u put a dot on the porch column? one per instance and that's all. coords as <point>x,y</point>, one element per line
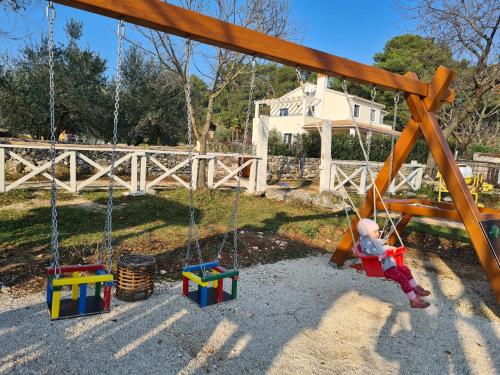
<point>258,172</point>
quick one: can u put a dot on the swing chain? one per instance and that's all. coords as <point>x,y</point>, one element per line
<point>393,138</point>
<point>192,233</point>
<point>51,15</point>
<point>234,214</point>
<point>108,227</point>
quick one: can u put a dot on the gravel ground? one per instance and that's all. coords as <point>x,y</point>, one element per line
<point>292,317</point>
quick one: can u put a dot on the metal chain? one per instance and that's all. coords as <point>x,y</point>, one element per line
<point>108,227</point>
<point>393,137</point>
<point>54,243</point>
<point>234,213</point>
<point>193,232</point>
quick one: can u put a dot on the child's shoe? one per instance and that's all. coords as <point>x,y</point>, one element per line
<point>418,303</point>
<point>421,292</point>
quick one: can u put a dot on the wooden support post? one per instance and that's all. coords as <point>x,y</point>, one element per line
<point>457,187</point>
<point>211,173</point>
<point>326,157</point>
<point>185,286</point>
<point>56,302</point>
<point>82,301</point>
<point>203,296</point>
<point>142,179</point>
<point>133,174</point>
<point>74,288</point>
<point>97,290</point>
<point>234,287</point>
<point>220,290</point>
<point>72,171</point>
<point>402,150</point>
<point>2,170</point>
<point>107,298</point>
<point>49,291</point>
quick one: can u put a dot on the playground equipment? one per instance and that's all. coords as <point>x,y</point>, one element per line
<point>80,304</point>
<point>371,263</point>
<point>423,100</point>
<point>474,182</point>
<point>213,272</point>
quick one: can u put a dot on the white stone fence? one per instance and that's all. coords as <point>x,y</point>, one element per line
<point>147,168</point>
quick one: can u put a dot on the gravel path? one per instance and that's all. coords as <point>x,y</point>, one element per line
<point>293,317</point>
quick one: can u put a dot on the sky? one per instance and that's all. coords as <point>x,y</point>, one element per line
<point>352,29</point>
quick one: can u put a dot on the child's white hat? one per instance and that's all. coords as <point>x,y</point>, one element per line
<point>366,226</point>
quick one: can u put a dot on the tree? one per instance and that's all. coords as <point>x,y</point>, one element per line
<point>83,96</point>
<point>152,101</point>
<point>222,67</point>
<point>9,8</point>
<point>414,53</point>
<point>470,28</point>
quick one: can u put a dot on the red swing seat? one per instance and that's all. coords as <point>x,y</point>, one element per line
<point>372,265</point>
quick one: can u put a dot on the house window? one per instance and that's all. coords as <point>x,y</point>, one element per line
<point>372,115</point>
<point>287,138</point>
<point>310,111</point>
<point>356,110</point>
<point>283,112</point>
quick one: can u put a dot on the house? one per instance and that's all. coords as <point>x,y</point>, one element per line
<point>305,109</point>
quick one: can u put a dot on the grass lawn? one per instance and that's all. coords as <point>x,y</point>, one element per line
<point>158,225</point>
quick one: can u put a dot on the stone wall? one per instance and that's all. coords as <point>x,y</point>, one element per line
<point>289,167</point>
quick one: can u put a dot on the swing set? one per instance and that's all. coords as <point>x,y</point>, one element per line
<point>423,99</point>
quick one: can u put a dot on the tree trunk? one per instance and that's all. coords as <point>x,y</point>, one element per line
<point>202,138</point>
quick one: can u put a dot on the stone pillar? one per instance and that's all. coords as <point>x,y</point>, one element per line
<point>321,86</point>
<point>258,172</point>
<point>326,157</point>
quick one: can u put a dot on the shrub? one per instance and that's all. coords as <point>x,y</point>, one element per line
<point>344,147</point>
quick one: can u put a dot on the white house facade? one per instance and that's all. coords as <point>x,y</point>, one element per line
<point>306,108</point>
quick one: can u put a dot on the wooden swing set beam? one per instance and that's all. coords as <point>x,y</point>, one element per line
<point>182,22</point>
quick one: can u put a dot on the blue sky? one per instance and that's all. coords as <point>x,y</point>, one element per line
<point>351,29</point>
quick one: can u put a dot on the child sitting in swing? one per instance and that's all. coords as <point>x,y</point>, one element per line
<point>371,244</point>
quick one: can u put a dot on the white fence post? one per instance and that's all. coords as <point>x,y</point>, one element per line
<point>2,170</point>
<point>326,157</point>
<point>260,138</point>
<point>417,181</point>
<point>194,173</point>
<point>211,172</point>
<point>72,171</point>
<point>142,178</point>
<point>362,179</point>
<point>133,174</point>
